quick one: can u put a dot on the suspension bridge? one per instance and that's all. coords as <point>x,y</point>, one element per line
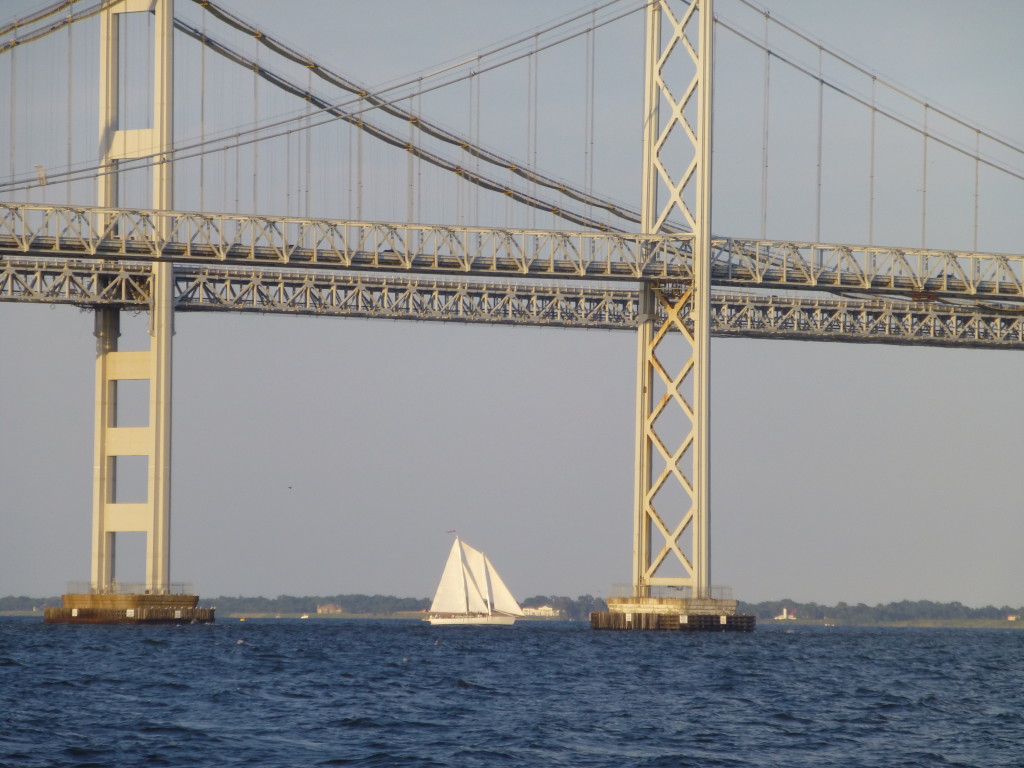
<point>267,142</point>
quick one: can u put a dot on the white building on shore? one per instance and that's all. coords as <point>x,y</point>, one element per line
<point>545,611</point>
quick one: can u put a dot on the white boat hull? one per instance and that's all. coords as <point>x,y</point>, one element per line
<point>493,620</point>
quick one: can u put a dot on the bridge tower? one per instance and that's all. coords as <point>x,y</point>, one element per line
<point>671,532</point>
<point>107,600</point>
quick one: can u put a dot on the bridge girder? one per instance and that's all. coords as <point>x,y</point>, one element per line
<point>128,285</point>
<point>73,232</point>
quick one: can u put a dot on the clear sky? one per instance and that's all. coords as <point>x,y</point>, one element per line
<point>325,456</point>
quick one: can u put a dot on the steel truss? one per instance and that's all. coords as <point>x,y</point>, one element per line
<point>201,238</point>
<point>912,271</point>
<point>111,233</point>
<point>82,283</point>
<point>873,321</point>
<point>128,286</point>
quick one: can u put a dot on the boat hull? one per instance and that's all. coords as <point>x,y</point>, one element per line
<point>492,620</point>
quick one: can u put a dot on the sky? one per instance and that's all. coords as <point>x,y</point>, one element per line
<point>330,456</point>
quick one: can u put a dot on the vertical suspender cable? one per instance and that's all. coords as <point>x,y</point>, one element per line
<point>587,112</point>
<point>977,161</point>
<point>476,141</point>
<point>871,170</point>
<point>255,124</point>
<point>461,191</point>
<point>924,178</point>
<point>531,119</point>
<point>13,112</point>
<point>350,206</point>
<point>67,162</point>
<point>529,124</point>
<point>466,191</point>
<point>589,131</point>
<point>359,162</point>
<point>409,164</point>
<point>536,113</point>
<point>536,110</point>
<point>202,120</point>
<point>238,163</point>
<point>308,133</point>
<point>821,109</point>
<point>419,163</point>
<point>765,114</point>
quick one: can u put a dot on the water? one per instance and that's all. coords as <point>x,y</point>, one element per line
<point>400,693</point>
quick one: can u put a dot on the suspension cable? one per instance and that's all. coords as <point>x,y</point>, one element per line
<point>393,108</point>
<point>896,89</point>
<point>333,112</point>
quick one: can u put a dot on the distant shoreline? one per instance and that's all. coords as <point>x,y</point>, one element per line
<point>776,613</point>
<point>762,624</point>
<point>923,623</point>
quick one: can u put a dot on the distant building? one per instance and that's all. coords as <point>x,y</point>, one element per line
<point>1011,618</point>
<point>785,615</point>
<point>329,608</point>
<point>544,610</point>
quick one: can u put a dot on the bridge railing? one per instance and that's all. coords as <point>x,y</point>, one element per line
<point>127,588</point>
<point>717,592</point>
<point>108,233</point>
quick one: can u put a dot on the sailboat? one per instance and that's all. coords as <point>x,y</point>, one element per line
<point>471,591</point>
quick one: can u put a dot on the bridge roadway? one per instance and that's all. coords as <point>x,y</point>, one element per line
<point>93,257</point>
<point>203,238</point>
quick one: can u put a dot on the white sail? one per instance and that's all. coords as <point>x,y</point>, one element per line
<point>471,591</point>
<point>451,591</point>
<point>479,596</point>
<point>501,597</point>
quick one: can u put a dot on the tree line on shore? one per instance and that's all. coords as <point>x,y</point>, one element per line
<point>902,611</point>
<point>374,605</point>
<point>579,609</point>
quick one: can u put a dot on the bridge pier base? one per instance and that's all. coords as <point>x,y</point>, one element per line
<point>90,608</point>
<point>672,613</point>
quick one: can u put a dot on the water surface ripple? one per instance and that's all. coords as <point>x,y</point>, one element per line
<point>400,693</point>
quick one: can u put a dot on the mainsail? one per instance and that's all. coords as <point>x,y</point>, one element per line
<point>471,585</point>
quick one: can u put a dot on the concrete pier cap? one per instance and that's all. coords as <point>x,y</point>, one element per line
<point>128,604</point>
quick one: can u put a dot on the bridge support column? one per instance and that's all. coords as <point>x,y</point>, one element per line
<point>111,513</point>
<point>671,526</point>
<point>156,600</point>
<point>671,520</point>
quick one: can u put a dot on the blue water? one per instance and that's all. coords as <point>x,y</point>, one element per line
<point>400,693</point>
